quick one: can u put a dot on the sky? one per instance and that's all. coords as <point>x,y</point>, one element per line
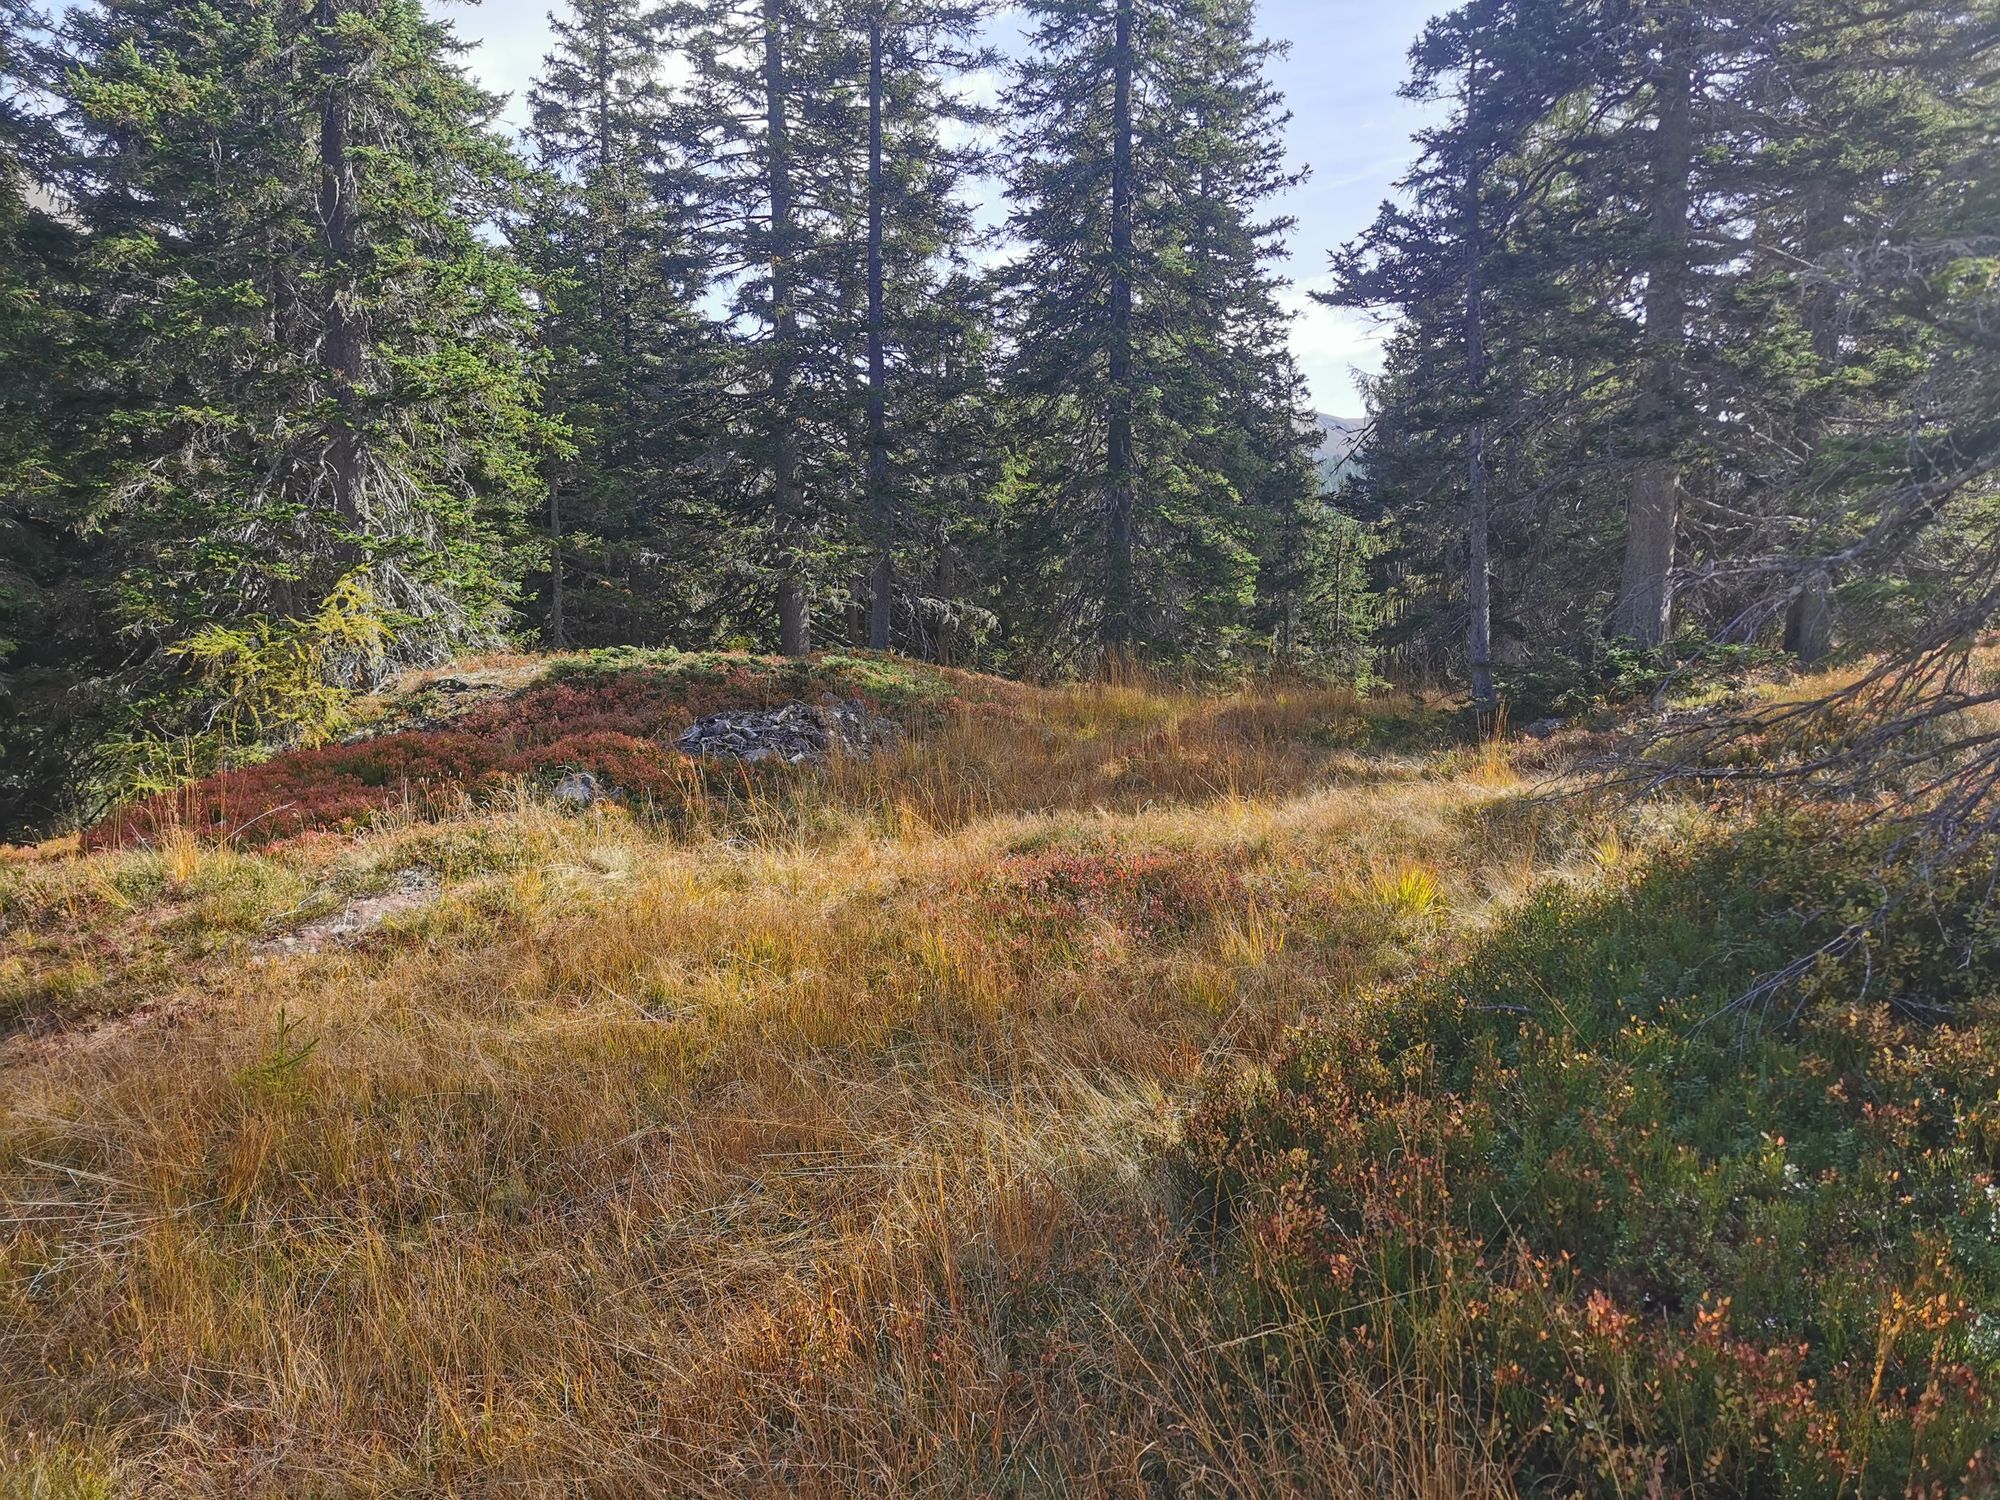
<point>1348,126</point>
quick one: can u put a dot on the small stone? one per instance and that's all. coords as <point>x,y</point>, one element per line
<point>579,789</point>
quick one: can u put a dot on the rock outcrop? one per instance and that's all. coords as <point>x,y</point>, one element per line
<point>797,734</point>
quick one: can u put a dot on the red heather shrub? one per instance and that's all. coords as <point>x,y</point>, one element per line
<point>645,771</point>
<point>396,761</point>
<point>617,725</point>
<point>644,703</point>
<point>338,787</point>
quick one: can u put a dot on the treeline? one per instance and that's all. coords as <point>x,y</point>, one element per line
<point>307,371</point>
<point>1696,340</point>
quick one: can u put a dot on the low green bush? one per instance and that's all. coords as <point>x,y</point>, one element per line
<point>1616,674</point>
<point>1656,1242</point>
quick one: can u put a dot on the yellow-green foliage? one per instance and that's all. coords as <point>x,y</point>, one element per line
<point>289,681</point>
<point>260,683</point>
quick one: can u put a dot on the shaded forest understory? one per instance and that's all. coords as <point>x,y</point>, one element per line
<point>1106,1090</point>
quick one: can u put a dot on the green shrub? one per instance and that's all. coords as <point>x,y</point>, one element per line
<point>1614,674</point>
<point>1654,1241</point>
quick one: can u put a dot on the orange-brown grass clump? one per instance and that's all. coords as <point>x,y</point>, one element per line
<point>821,1139</point>
<point>1108,1091</point>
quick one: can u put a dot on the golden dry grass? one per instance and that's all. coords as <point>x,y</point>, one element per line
<point>818,1148</point>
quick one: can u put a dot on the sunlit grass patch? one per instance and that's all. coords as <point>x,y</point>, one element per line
<point>1409,891</point>
<point>831,1116</point>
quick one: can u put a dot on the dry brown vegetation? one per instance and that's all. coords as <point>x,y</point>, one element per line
<point>816,1148</point>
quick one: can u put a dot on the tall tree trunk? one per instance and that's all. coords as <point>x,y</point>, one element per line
<point>794,609</point>
<point>1809,621</point>
<point>1809,618</point>
<point>557,631</point>
<point>1478,509</point>
<point>1645,605</point>
<point>880,508</point>
<point>613,249</point>
<point>1478,518</point>
<point>1117,623</point>
<point>341,348</point>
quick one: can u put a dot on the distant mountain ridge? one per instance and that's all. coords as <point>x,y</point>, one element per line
<point>1339,437</point>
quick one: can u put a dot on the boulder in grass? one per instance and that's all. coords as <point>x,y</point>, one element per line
<point>580,789</point>
<point>798,734</point>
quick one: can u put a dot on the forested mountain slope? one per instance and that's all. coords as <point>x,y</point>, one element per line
<point>732,796</point>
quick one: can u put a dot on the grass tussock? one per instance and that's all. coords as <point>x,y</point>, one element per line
<point>1090,1097</point>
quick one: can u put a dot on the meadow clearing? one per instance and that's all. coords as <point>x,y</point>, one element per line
<point>1108,1090</point>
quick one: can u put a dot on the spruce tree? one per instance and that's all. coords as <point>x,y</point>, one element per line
<point>1857,133</point>
<point>34,246</point>
<point>1239,402</point>
<point>1463,258</point>
<point>1142,318</point>
<point>1759,145</point>
<point>45,636</point>
<point>774,134</point>
<point>1685,378</point>
<point>629,358</point>
<point>918,302</point>
<point>321,392</point>
<point>829,175</point>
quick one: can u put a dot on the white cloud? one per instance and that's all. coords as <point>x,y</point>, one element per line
<point>1332,346</point>
<point>507,40</point>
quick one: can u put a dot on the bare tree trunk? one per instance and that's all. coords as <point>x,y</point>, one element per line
<point>1809,621</point>
<point>794,619</point>
<point>341,349</point>
<point>794,609</point>
<point>883,580</point>
<point>1809,618</point>
<point>1652,527</point>
<point>1645,605</point>
<point>1117,624</point>
<point>557,633</point>
<point>1478,516</point>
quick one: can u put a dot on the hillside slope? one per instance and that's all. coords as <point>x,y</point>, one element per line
<point>1339,440</point>
<point>1049,1104</point>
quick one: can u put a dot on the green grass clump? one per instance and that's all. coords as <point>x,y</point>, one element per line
<point>1656,1243</point>
<point>894,683</point>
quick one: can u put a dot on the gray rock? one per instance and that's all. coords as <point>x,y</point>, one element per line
<point>413,889</point>
<point>1541,729</point>
<point>580,789</point>
<point>797,734</point>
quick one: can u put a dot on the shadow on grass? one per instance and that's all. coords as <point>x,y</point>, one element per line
<point>1651,1252</point>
